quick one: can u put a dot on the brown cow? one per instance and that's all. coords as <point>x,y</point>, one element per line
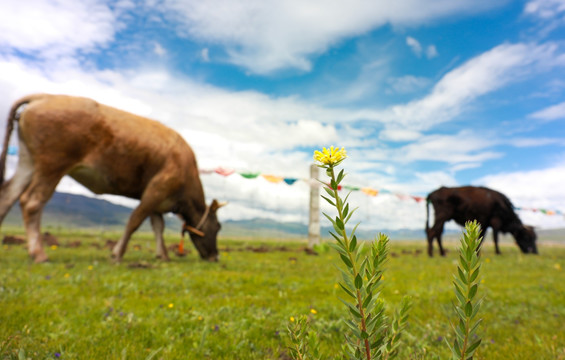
<point>110,152</point>
<point>490,208</point>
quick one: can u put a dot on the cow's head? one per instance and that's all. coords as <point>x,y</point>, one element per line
<point>204,235</point>
<point>526,239</point>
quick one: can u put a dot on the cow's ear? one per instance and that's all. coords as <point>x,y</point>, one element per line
<point>216,205</point>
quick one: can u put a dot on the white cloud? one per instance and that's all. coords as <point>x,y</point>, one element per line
<point>205,54</point>
<point>545,9</point>
<point>391,134</point>
<point>549,15</point>
<point>414,45</point>
<point>538,189</point>
<point>418,49</point>
<point>551,113</point>
<point>269,35</point>
<point>431,52</point>
<point>159,49</point>
<point>245,130</point>
<point>479,76</point>
<point>464,147</point>
<point>407,84</point>
<point>54,28</point>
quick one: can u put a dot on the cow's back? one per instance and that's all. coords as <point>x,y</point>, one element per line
<point>463,203</point>
<point>105,149</point>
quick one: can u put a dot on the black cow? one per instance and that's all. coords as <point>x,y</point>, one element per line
<point>490,208</point>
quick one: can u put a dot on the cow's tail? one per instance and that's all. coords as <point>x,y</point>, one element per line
<point>13,116</point>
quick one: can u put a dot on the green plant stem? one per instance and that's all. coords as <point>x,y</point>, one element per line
<point>352,259</point>
<point>467,318</point>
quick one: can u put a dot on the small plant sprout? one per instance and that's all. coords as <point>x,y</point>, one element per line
<point>304,342</point>
<point>370,336</point>
<point>466,284</point>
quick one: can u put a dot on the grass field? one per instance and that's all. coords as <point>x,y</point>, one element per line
<point>82,306</point>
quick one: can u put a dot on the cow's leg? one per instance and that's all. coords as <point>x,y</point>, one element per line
<point>32,201</point>
<point>496,225</point>
<point>495,238</point>
<point>152,197</point>
<point>441,250</point>
<point>435,232</point>
<point>13,188</point>
<point>431,236</point>
<point>158,225</point>
<point>136,218</point>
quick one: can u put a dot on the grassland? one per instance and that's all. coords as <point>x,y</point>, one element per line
<point>82,306</point>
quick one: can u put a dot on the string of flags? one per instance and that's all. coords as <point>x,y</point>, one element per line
<point>366,190</point>
<point>13,150</point>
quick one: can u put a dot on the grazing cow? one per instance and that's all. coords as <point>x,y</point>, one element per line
<point>110,152</point>
<point>490,208</point>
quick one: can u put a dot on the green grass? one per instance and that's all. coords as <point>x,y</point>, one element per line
<point>82,306</point>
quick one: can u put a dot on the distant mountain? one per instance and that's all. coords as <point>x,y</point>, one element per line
<point>77,211</point>
<point>273,229</point>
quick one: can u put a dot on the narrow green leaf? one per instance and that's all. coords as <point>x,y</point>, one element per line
<point>355,312</point>
<point>353,244</point>
<point>328,200</point>
<point>329,218</point>
<point>346,260</point>
<point>329,192</point>
<point>473,346</point>
<point>358,281</point>
<point>340,176</point>
<point>349,292</point>
<point>463,263</point>
<point>459,293</point>
<point>476,310</point>
<point>338,247</point>
<point>367,300</point>
<point>468,309</point>
<point>333,184</point>
<point>339,223</point>
<point>474,327</point>
<point>462,276</point>
<point>351,213</point>
<point>457,348</point>
<point>475,274</point>
<point>473,291</point>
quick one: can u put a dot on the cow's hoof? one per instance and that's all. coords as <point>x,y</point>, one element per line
<point>39,258</point>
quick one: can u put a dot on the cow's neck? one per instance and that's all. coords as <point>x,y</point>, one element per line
<point>193,213</point>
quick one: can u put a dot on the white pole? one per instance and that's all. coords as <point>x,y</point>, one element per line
<point>314,220</point>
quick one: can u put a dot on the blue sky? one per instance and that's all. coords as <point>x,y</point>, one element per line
<point>421,93</point>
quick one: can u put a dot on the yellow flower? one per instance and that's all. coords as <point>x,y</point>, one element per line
<point>331,156</point>
<point>67,275</point>
<point>171,305</point>
<point>557,267</point>
<point>292,319</point>
<point>200,318</point>
<point>313,311</point>
<point>53,247</point>
<point>90,267</point>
